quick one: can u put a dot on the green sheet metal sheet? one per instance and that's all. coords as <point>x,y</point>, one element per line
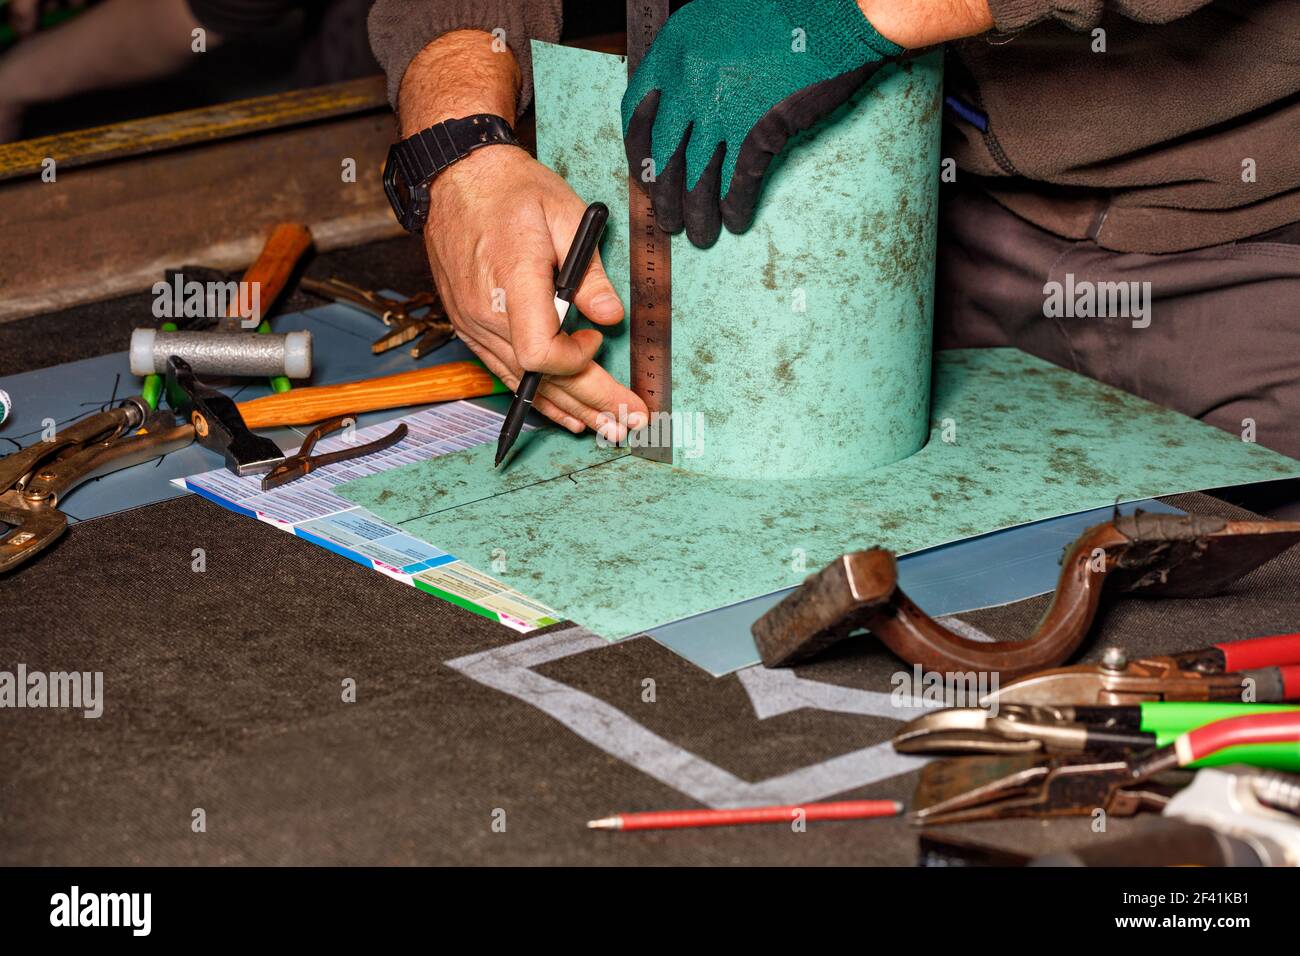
<point>621,544</point>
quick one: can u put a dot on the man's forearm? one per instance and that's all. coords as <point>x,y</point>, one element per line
<point>113,44</point>
<point>919,23</point>
<point>460,73</point>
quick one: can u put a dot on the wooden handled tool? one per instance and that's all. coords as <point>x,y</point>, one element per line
<point>271,271</point>
<point>287,244</point>
<point>439,383</point>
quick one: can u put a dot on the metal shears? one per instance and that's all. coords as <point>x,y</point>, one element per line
<point>1039,729</point>
<point>1267,667</point>
<point>986,788</point>
<point>433,328</point>
<point>1227,816</point>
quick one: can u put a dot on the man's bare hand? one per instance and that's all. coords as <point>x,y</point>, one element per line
<point>500,223</point>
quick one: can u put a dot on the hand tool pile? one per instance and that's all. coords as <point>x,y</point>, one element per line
<point>1205,738</point>
<point>176,408</point>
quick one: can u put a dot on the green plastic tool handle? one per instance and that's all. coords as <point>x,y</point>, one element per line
<point>153,383</point>
<point>1271,756</point>
<point>279,383</point>
<point>1168,719</point>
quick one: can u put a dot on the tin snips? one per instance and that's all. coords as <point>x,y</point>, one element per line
<point>431,326</point>
<point>987,788</point>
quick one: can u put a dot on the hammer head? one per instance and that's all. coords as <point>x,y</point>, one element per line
<point>217,422</point>
<point>828,607</point>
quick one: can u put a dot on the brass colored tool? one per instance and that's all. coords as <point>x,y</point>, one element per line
<point>1028,729</point>
<point>1142,554</point>
<point>433,328</point>
<point>34,480</point>
<point>962,789</point>
<point>1227,816</point>
<point>1016,729</point>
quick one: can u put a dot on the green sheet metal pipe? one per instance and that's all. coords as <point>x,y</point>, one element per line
<point>801,348</point>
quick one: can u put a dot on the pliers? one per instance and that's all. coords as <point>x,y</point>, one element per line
<point>1037,729</point>
<point>1227,816</point>
<point>34,480</point>
<point>1266,667</point>
<point>987,788</point>
<point>303,462</point>
<point>432,327</point>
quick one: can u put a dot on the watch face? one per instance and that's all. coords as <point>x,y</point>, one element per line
<point>410,201</point>
<point>398,190</point>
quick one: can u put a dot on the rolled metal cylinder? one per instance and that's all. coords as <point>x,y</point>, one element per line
<point>802,347</point>
<point>223,353</point>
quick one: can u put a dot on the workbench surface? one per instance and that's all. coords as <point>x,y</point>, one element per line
<point>223,692</point>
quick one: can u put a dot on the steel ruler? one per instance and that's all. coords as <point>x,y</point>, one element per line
<point>651,324</point>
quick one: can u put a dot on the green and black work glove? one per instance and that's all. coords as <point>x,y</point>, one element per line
<point>723,87</point>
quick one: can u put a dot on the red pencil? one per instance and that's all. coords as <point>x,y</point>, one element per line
<point>675,819</point>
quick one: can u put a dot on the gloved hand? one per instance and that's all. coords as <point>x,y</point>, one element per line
<point>723,87</point>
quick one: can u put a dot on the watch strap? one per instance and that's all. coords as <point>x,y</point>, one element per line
<point>430,151</point>
<point>417,160</point>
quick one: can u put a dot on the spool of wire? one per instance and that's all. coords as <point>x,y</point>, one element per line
<point>6,405</point>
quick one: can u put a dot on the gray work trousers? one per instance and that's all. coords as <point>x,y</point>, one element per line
<point>1219,340</point>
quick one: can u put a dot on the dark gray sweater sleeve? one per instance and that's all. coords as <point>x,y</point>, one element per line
<point>399,29</point>
<point>1012,15</point>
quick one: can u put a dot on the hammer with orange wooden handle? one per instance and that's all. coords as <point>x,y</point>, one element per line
<point>269,274</point>
<point>438,383</point>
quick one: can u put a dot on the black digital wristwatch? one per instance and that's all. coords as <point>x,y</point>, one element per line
<point>416,161</point>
